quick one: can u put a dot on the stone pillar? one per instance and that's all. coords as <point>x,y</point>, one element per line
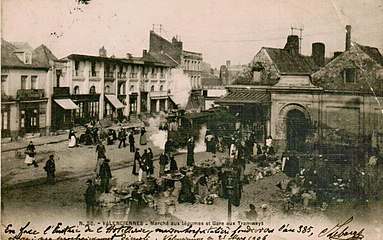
<point>157,105</point>
<point>102,93</point>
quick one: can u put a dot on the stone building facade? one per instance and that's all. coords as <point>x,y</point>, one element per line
<point>26,78</point>
<point>110,87</point>
<point>298,101</point>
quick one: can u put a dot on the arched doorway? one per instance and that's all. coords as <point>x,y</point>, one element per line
<point>296,130</point>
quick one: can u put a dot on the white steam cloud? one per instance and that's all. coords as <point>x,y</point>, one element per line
<point>180,86</point>
<point>158,137</point>
<point>200,145</point>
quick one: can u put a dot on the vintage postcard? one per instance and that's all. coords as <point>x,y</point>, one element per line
<point>227,120</point>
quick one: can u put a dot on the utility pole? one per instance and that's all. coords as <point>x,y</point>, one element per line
<point>300,29</point>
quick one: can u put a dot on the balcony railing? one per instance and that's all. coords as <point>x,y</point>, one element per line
<point>133,75</point>
<point>27,94</point>
<point>109,74</point>
<point>94,73</point>
<point>78,73</point>
<point>121,75</point>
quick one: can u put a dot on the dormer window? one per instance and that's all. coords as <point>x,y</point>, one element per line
<point>28,58</point>
<point>349,75</point>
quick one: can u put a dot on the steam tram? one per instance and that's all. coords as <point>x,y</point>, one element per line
<point>182,125</point>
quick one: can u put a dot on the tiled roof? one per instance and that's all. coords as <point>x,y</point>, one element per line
<point>291,63</point>
<point>41,56</point>
<point>245,97</point>
<point>8,58</point>
<point>372,52</point>
<point>22,46</point>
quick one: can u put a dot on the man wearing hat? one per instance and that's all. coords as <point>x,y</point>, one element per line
<point>50,168</point>
<point>105,174</point>
<point>122,137</point>
<point>90,199</point>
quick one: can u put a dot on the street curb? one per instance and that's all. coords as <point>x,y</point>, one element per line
<point>42,180</point>
<point>40,144</point>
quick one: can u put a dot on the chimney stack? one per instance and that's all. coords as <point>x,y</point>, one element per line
<point>292,44</point>
<point>144,52</point>
<point>228,62</point>
<point>318,53</point>
<point>102,52</point>
<point>337,53</point>
<point>348,37</point>
<point>129,56</point>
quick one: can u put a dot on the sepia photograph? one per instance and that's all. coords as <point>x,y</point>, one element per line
<point>186,120</point>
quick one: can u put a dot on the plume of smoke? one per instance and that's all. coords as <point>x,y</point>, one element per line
<point>180,86</point>
<point>200,145</point>
<point>158,137</point>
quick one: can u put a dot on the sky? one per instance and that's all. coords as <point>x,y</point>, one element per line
<point>219,29</point>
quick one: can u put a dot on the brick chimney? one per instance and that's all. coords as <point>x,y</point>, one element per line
<point>177,43</point>
<point>292,44</point>
<point>348,37</point>
<point>102,52</point>
<point>318,53</point>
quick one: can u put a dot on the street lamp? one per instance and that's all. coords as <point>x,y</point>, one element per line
<point>231,183</point>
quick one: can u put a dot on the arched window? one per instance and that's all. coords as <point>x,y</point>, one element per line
<point>107,89</point>
<point>152,88</point>
<point>161,88</point>
<point>76,90</point>
<point>131,88</point>
<point>92,89</point>
<point>121,88</point>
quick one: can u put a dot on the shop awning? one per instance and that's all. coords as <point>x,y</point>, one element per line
<point>244,97</point>
<point>66,103</point>
<point>114,101</point>
<point>171,98</point>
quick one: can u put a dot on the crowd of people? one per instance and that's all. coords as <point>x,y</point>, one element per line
<point>195,186</point>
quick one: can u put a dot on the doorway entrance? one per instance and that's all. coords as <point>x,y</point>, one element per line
<point>297,126</point>
<point>29,120</point>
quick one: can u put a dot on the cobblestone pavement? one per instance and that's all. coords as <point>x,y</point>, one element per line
<point>26,196</point>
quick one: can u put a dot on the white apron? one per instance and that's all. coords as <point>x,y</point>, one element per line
<point>28,159</point>
<point>72,141</point>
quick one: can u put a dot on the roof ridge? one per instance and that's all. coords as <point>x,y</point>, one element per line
<point>172,58</point>
<point>154,56</point>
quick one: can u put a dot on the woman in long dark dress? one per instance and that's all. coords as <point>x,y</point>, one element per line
<point>150,162</point>
<point>291,167</point>
<point>143,136</point>
<point>163,161</point>
<point>137,158</point>
<point>173,165</point>
<point>190,152</point>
